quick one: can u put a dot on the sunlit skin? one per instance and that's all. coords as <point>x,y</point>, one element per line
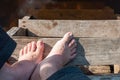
<point>62,52</point>
<point>29,57</point>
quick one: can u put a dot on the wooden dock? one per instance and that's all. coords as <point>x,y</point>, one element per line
<point>98,42</point>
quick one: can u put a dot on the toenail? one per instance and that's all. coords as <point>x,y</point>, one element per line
<point>70,33</point>
<point>74,41</point>
<point>41,42</point>
<point>33,41</point>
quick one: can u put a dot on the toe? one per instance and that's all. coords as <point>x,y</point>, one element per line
<point>21,52</point>
<point>73,46</point>
<point>73,51</point>
<point>73,56</point>
<point>40,46</point>
<point>39,50</point>
<point>33,48</point>
<point>67,37</point>
<point>29,47</point>
<point>25,50</point>
<point>72,43</point>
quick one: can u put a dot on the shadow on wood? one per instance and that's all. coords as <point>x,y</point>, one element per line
<point>47,49</point>
<point>80,55</point>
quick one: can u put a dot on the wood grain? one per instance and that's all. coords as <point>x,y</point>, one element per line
<point>80,28</point>
<point>16,31</point>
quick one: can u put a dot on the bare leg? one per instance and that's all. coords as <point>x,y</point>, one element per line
<point>63,51</point>
<point>29,57</point>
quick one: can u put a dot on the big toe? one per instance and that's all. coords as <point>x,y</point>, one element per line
<point>39,51</point>
<point>40,46</point>
<point>67,37</point>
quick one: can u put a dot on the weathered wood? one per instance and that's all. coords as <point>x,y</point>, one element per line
<point>16,31</point>
<point>90,70</point>
<point>116,69</point>
<point>72,14</point>
<point>80,28</point>
<point>105,77</point>
<point>26,17</point>
<point>100,69</point>
<point>91,51</point>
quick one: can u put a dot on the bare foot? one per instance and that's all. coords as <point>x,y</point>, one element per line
<point>32,51</point>
<point>29,56</point>
<point>65,48</point>
<point>62,52</point>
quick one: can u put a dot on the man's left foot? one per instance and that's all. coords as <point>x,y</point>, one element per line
<point>29,57</point>
<point>32,51</point>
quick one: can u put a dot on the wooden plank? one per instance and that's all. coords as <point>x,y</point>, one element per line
<point>80,28</point>
<point>96,70</point>
<point>91,51</point>
<point>99,69</point>
<point>116,69</point>
<point>16,31</point>
<point>72,14</point>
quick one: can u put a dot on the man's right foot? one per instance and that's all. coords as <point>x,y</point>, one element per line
<point>64,48</point>
<point>62,52</point>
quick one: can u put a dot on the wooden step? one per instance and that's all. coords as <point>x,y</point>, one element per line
<point>80,28</point>
<point>91,51</point>
<point>72,14</point>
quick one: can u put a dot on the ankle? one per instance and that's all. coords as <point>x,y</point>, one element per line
<point>50,66</point>
<point>56,60</point>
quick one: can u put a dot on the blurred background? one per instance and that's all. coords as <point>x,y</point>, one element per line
<point>12,10</point>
